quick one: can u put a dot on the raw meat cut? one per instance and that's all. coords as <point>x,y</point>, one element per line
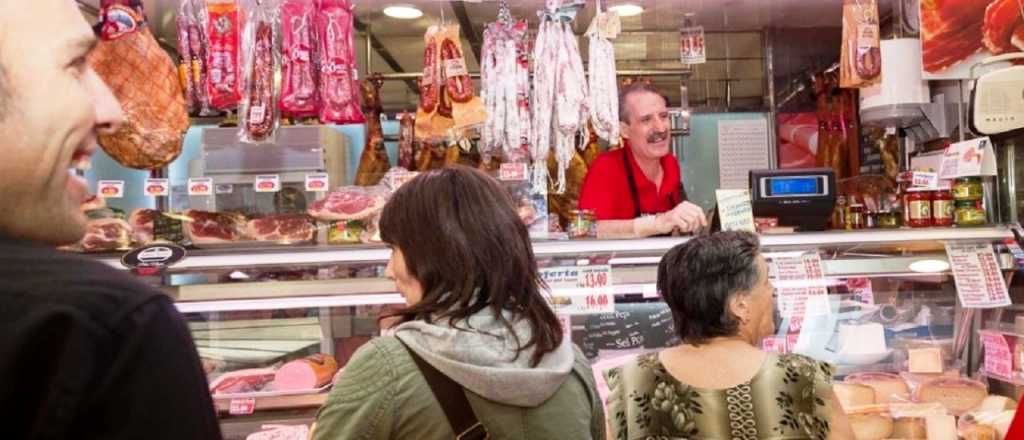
<point>349,203</point>
<point>949,31</point>
<point>145,81</point>
<point>206,227</point>
<point>242,381</point>
<point>142,221</point>
<point>1002,19</point>
<point>308,373</point>
<point>106,234</point>
<point>338,99</point>
<point>291,228</point>
<point>299,97</point>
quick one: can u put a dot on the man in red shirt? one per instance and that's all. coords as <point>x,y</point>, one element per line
<point>637,190</point>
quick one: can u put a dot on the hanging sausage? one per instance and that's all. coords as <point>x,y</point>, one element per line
<point>338,84</point>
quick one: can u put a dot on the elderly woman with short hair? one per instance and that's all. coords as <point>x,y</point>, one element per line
<point>718,384</point>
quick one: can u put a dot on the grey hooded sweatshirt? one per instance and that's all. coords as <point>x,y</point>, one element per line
<point>382,395</point>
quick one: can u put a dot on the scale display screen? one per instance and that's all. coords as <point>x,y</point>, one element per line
<point>793,186</point>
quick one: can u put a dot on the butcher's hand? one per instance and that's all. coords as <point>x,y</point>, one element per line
<point>685,217</point>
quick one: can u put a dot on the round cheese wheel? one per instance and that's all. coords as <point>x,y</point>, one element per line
<point>871,426</point>
<point>852,395</point>
<point>958,395</point>
<point>889,388</point>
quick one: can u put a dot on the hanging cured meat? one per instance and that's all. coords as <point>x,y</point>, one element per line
<point>467,108</point>
<point>406,142</point>
<point>560,98</point>
<point>338,83</point>
<point>299,97</point>
<point>374,162</point>
<point>505,79</point>
<point>186,58</point>
<point>604,96</point>
<point>259,109</point>
<point>447,98</point>
<point>143,78</point>
<point>224,84</point>
<point>861,56</point>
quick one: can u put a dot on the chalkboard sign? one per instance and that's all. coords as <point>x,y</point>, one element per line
<point>633,325</point>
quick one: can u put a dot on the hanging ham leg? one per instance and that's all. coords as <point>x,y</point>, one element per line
<point>374,162</point>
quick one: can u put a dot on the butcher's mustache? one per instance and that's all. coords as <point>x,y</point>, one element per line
<point>657,136</point>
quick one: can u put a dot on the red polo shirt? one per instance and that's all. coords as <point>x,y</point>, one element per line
<point>606,187</point>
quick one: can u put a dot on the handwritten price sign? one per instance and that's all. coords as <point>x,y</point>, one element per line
<point>580,290</point>
<point>242,407</point>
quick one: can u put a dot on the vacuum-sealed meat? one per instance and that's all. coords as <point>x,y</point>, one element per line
<point>338,97</point>
<point>299,97</point>
<point>259,111</point>
<point>406,142</point>
<point>143,78</point>
<point>224,84</point>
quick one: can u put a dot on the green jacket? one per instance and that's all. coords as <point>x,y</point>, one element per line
<point>382,395</point>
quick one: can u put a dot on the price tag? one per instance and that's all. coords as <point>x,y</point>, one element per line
<point>110,189</point>
<point>692,49</point>
<point>998,358</point>
<point>735,209</point>
<point>317,182</point>
<point>774,344</point>
<point>200,186</point>
<point>969,158</point>
<point>861,290</point>
<point>242,407</point>
<point>157,188</point>
<point>267,184</point>
<point>399,178</point>
<point>979,280</point>
<point>512,172</point>
<point>580,290</point>
<point>797,279</point>
<point>923,179</point>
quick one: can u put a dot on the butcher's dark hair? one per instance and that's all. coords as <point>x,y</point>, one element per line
<point>697,280</point>
<point>638,86</point>
<point>464,242</point>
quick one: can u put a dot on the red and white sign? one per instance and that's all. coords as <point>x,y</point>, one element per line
<point>923,179</point>
<point>975,157</point>
<point>774,344</point>
<point>861,290</point>
<point>580,290</point>
<point>267,184</point>
<point>319,182</point>
<point>399,178</point>
<point>512,172</point>
<point>998,357</point>
<point>796,279</point>
<point>242,407</point>
<point>979,280</point>
<point>200,186</point>
<point>157,188</point>
<point>110,189</point>
<point>692,47</point>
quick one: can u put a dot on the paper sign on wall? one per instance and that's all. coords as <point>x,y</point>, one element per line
<point>998,358</point>
<point>692,47</point>
<point>979,280</point>
<point>975,157</point>
<point>735,210</point>
<point>110,189</point>
<point>796,279</point>
<point>580,290</point>
<point>742,146</point>
<point>157,188</point>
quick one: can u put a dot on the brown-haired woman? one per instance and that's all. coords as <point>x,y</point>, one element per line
<point>463,261</point>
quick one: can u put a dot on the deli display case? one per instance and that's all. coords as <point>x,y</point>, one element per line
<point>274,328</point>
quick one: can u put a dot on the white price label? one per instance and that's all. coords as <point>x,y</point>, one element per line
<point>979,280</point>
<point>401,178</point>
<point>998,357</point>
<point>257,114</point>
<point>580,290</point>
<point>267,183</point>
<point>110,189</point>
<point>692,48</point>
<point>796,280</point>
<point>513,172</point>
<point>157,188</point>
<point>925,180</point>
<point>317,182</point>
<point>242,407</point>
<point>200,186</point>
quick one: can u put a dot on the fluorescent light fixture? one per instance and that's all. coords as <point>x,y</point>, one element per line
<point>627,9</point>
<point>929,266</point>
<point>404,12</point>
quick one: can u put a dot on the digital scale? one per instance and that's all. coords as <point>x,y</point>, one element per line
<point>802,198</point>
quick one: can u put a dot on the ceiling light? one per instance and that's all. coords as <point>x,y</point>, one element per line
<point>627,9</point>
<point>404,12</point>
<point>929,266</point>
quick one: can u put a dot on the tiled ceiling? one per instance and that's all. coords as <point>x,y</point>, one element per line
<point>734,71</point>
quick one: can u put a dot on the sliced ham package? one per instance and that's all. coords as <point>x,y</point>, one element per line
<point>339,88</point>
<point>223,31</point>
<point>145,81</point>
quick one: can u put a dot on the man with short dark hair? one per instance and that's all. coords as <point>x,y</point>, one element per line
<point>637,190</point>
<point>85,351</point>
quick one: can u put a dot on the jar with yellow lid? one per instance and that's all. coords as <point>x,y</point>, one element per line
<point>967,189</point>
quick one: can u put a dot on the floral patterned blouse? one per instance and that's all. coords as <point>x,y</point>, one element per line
<point>788,398</point>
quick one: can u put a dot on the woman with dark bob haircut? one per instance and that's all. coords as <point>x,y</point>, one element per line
<point>462,259</point>
<point>718,384</point>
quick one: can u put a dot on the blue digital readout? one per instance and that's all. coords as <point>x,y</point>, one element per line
<point>793,186</point>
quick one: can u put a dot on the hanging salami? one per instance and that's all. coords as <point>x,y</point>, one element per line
<point>223,57</point>
<point>259,111</point>
<point>504,77</point>
<point>338,82</point>
<point>467,109</point>
<point>434,115</point>
<point>604,97</point>
<point>861,56</point>
<point>197,38</point>
<point>406,142</point>
<point>299,94</point>
<point>186,57</point>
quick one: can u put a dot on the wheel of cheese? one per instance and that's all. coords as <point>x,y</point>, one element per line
<point>994,405</point>
<point>889,388</point>
<point>871,426</point>
<point>852,395</point>
<point>910,429</point>
<point>958,395</point>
